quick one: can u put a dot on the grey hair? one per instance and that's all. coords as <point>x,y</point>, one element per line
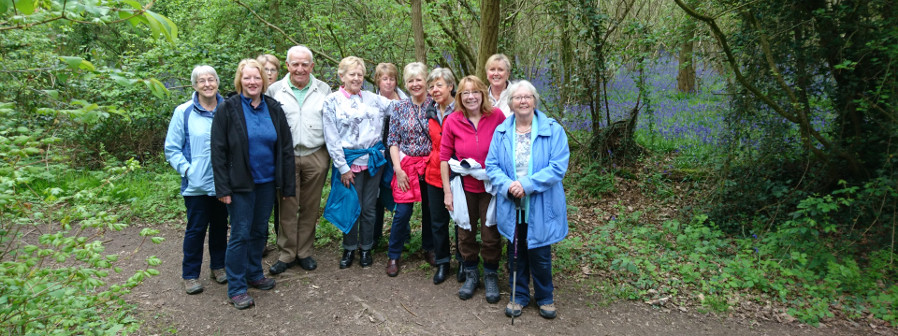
<point>441,73</point>
<point>414,69</point>
<point>200,70</point>
<point>298,49</point>
<point>514,86</point>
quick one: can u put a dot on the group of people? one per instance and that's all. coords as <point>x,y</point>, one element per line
<point>484,149</point>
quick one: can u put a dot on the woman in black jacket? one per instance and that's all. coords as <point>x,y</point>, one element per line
<point>252,152</point>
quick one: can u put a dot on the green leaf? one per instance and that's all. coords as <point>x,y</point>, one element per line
<point>4,6</point>
<point>161,26</point>
<point>25,6</point>
<point>78,63</point>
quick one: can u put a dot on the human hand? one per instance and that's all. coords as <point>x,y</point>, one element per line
<point>401,179</point>
<point>516,189</point>
<point>348,178</point>
<point>225,199</point>
<point>447,200</point>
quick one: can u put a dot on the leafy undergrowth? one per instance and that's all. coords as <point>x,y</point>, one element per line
<point>54,274</point>
<point>632,242</point>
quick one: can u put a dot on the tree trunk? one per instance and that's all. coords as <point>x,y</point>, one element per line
<point>418,29</point>
<point>686,73</point>
<point>489,35</point>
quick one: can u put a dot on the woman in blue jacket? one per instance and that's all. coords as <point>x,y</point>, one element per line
<point>187,150</point>
<point>527,160</point>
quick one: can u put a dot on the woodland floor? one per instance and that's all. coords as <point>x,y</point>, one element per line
<point>354,301</point>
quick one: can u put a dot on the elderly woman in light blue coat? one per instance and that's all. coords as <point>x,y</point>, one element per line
<point>527,160</point>
<point>187,150</point>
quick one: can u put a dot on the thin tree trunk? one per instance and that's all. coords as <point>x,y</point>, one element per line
<point>418,29</point>
<point>686,73</point>
<point>489,35</point>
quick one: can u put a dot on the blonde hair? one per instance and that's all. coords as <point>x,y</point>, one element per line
<point>349,62</point>
<point>486,108</point>
<point>238,77</point>
<point>499,57</point>
<point>414,69</point>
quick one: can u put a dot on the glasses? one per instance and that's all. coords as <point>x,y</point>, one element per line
<point>470,93</point>
<point>204,81</point>
<point>271,70</point>
<point>522,98</point>
<point>298,64</point>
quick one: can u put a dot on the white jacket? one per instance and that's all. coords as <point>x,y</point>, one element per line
<point>305,121</point>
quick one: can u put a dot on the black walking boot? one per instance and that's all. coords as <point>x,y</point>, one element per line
<point>460,276</point>
<point>348,257</point>
<point>491,282</point>
<point>365,258</point>
<point>472,280</point>
<point>441,274</point>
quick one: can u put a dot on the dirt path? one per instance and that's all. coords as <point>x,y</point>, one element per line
<point>356,301</point>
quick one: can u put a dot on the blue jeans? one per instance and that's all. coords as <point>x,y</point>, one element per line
<point>535,262</point>
<point>400,231</point>
<point>249,212</point>
<point>204,213</point>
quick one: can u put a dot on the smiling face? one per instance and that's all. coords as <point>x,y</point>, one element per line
<point>523,102</point>
<point>497,73</point>
<point>353,79</point>
<point>440,91</point>
<point>415,86</point>
<point>471,98</point>
<point>300,66</point>
<point>252,82</point>
<point>386,84</point>
<point>206,86</point>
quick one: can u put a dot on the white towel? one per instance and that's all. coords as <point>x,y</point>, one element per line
<point>459,213</point>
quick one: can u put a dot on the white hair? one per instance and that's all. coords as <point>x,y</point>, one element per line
<point>299,49</point>
<point>514,86</point>
<point>200,70</point>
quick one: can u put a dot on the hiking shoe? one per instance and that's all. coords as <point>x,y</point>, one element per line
<point>242,301</point>
<point>307,263</point>
<point>514,309</point>
<point>280,266</point>
<point>263,283</point>
<point>491,283</point>
<point>219,276</point>
<point>460,276</point>
<point>472,280</point>
<point>548,311</point>
<point>193,286</point>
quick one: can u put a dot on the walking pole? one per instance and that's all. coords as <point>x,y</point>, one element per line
<point>519,217</point>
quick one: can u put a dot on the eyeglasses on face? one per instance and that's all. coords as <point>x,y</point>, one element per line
<point>522,98</point>
<point>204,81</point>
<point>470,93</point>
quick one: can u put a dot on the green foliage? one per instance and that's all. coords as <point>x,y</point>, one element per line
<point>52,219</point>
<point>796,266</point>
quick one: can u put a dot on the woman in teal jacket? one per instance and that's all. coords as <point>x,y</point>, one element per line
<point>527,160</point>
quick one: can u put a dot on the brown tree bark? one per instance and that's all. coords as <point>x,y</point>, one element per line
<point>489,35</point>
<point>686,73</point>
<point>418,29</point>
